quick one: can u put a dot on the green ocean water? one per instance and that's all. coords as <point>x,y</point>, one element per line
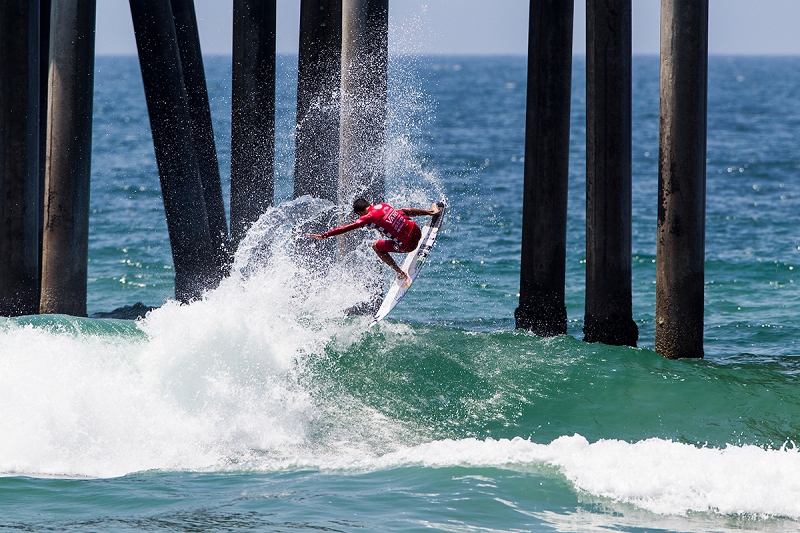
<point>264,408</point>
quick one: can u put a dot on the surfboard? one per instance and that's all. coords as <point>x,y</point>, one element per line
<point>413,263</point>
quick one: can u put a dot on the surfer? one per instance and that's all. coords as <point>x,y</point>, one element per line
<point>396,224</point>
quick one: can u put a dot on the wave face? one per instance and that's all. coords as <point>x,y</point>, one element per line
<point>268,374</point>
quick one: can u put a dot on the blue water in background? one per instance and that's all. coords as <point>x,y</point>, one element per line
<point>262,408</point>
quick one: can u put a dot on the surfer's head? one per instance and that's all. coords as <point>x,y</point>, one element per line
<point>360,206</point>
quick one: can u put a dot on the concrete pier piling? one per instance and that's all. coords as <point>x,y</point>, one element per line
<point>193,253</point>
<point>69,144</point>
<point>202,130</point>
<point>362,129</point>
<point>608,316</point>
<point>19,157</point>
<point>316,160</point>
<point>253,113</point>
<point>680,247</point>
<point>544,213</point>
<point>44,69</point>
<point>316,168</point>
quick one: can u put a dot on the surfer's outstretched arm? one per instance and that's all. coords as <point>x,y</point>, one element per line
<point>414,212</point>
<point>339,230</point>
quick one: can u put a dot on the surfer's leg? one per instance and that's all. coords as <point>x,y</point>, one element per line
<point>386,258</point>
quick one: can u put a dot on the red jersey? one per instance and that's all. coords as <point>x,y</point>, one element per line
<point>393,223</point>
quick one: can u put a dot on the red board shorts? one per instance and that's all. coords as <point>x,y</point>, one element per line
<point>396,247</point>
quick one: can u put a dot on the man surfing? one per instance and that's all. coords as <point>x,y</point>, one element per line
<point>396,224</point>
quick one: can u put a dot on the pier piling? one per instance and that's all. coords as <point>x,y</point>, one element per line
<point>544,213</point>
<point>65,239</point>
<point>44,88</point>
<point>316,168</point>
<point>193,253</point>
<point>202,130</point>
<point>316,160</point>
<point>680,247</point>
<point>608,316</point>
<point>362,129</point>
<point>253,113</point>
<point>19,157</point>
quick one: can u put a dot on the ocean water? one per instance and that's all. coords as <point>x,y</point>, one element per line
<point>264,408</point>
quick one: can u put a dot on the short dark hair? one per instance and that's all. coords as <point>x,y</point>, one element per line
<point>360,205</point>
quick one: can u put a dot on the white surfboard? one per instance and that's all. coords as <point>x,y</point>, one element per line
<point>413,263</point>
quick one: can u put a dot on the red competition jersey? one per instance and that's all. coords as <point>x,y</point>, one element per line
<point>393,223</point>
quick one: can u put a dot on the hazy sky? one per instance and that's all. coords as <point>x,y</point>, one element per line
<point>764,27</point>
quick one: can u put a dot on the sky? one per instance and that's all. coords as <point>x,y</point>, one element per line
<point>469,27</point>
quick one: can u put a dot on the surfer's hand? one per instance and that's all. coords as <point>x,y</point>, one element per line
<point>434,209</point>
<point>402,275</point>
<point>317,236</point>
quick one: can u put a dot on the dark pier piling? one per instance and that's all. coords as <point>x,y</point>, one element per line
<point>316,168</point>
<point>44,88</point>
<point>19,157</point>
<point>680,247</point>
<point>316,161</point>
<point>253,114</point>
<point>69,144</point>
<point>362,130</point>
<point>193,252</point>
<point>202,130</point>
<point>544,214</point>
<point>608,316</point>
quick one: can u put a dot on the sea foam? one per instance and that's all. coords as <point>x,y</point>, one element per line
<point>660,476</point>
<point>205,384</point>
